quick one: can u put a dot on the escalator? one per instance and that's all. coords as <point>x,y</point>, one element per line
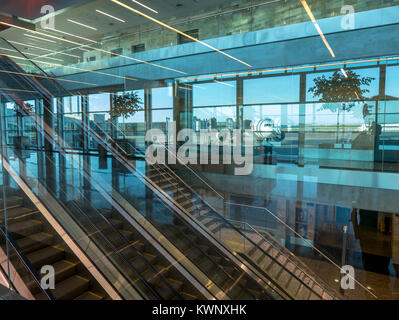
<point>143,235</point>
<point>41,245</point>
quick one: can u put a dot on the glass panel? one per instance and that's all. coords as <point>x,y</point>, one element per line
<point>214,94</point>
<point>214,118</point>
<point>271,90</point>
<point>162,98</point>
<point>99,102</point>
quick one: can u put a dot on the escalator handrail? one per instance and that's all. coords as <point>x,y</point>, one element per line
<point>115,250</point>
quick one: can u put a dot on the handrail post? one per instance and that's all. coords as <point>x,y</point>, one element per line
<point>343,255</point>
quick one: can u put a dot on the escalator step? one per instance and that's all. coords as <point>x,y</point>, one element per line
<point>12,201</point>
<point>127,234</point>
<point>88,295</point>
<point>71,288</point>
<point>25,228</point>
<point>118,224</point>
<point>46,256</point>
<point>188,296</point>
<point>15,212</point>
<point>35,242</point>
<point>64,269</point>
<point>140,264</point>
<point>138,245</point>
<point>175,284</point>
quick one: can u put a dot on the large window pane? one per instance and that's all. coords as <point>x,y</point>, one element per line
<point>271,90</point>
<point>214,118</point>
<point>214,94</point>
<point>99,102</point>
<point>162,98</point>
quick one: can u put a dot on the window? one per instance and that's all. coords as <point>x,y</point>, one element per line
<point>214,118</point>
<point>183,39</point>
<point>214,94</point>
<point>90,59</point>
<point>116,51</point>
<point>138,48</point>
<point>162,98</point>
<point>271,90</point>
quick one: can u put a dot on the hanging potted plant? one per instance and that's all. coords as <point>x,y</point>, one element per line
<point>126,105</point>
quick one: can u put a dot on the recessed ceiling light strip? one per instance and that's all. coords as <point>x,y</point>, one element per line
<point>82,24</point>
<point>178,31</point>
<point>144,6</point>
<point>92,48</point>
<point>316,25</point>
<point>110,16</point>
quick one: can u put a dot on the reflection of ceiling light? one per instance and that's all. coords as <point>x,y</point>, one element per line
<point>316,25</point>
<point>90,47</point>
<point>108,15</point>
<point>29,35</point>
<point>344,73</point>
<point>224,83</point>
<point>48,50</point>
<point>72,35</point>
<point>178,31</point>
<point>143,5</point>
<point>81,24</point>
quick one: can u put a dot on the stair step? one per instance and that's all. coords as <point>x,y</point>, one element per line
<point>46,256</point>
<point>35,242</point>
<point>127,234</point>
<point>188,296</point>
<point>15,212</point>
<point>25,228</point>
<point>71,288</point>
<point>118,224</point>
<point>88,295</point>
<point>13,201</point>
<point>64,269</point>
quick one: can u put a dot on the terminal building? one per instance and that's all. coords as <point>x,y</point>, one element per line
<point>213,149</point>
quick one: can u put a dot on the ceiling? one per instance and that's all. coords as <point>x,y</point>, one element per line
<point>101,26</point>
<point>30,9</point>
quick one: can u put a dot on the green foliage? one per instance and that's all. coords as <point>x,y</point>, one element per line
<point>338,88</point>
<point>126,105</point>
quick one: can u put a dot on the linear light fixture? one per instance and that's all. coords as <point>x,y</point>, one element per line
<point>110,16</point>
<point>38,38</point>
<point>82,24</point>
<point>144,6</point>
<point>44,49</point>
<point>316,25</point>
<point>178,31</point>
<point>90,47</point>
<point>344,73</point>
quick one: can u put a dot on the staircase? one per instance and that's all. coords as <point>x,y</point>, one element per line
<point>42,246</point>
